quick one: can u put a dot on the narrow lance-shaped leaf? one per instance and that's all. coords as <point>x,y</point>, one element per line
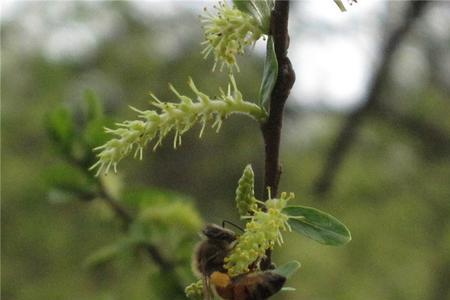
<point>61,128</point>
<point>288,269</point>
<point>94,106</point>
<point>317,225</point>
<point>259,9</point>
<point>243,5</point>
<point>57,196</point>
<point>270,74</point>
<point>265,9</point>
<point>103,255</point>
<point>93,133</point>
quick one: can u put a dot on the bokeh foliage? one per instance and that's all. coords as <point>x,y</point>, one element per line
<point>392,191</point>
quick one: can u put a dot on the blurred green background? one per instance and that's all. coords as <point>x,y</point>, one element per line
<point>392,189</point>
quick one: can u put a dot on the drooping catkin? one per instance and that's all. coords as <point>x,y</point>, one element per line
<point>133,136</point>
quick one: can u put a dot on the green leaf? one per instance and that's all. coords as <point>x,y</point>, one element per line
<point>244,6</point>
<point>270,74</point>
<point>259,9</point>
<point>146,197</point>
<point>164,285</point>
<point>317,225</point>
<point>60,127</point>
<point>265,9</point>
<point>59,196</point>
<point>103,255</point>
<point>64,175</point>
<point>94,106</point>
<point>288,269</point>
<point>94,134</point>
<point>64,193</point>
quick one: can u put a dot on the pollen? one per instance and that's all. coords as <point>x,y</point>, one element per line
<point>220,279</point>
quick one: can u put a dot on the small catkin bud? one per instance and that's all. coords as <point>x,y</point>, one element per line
<point>194,290</point>
<point>245,192</point>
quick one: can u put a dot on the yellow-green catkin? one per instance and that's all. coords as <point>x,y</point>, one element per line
<point>154,125</point>
<point>245,192</point>
<point>228,33</point>
<point>261,233</point>
<point>194,290</point>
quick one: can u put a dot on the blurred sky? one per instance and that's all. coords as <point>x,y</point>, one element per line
<point>333,53</point>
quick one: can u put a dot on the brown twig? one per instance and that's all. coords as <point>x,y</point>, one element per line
<point>347,135</point>
<point>432,136</point>
<point>115,206</point>
<point>152,250</point>
<point>127,219</point>
<point>271,129</point>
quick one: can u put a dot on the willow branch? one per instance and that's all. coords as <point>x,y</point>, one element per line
<point>347,135</point>
<point>271,129</point>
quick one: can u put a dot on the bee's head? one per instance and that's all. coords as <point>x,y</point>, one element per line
<point>215,232</point>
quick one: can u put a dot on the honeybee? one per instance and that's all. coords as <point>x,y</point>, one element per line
<point>211,252</point>
<point>250,286</point>
<point>209,262</point>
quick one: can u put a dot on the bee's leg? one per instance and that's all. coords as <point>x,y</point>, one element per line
<point>206,290</point>
<point>231,223</point>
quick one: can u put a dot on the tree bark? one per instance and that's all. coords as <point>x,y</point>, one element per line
<point>271,129</point>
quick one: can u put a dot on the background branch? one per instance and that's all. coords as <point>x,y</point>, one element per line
<point>115,206</point>
<point>127,219</point>
<point>347,135</point>
<point>432,136</point>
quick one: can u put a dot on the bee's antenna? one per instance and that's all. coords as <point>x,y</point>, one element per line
<point>231,223</point>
